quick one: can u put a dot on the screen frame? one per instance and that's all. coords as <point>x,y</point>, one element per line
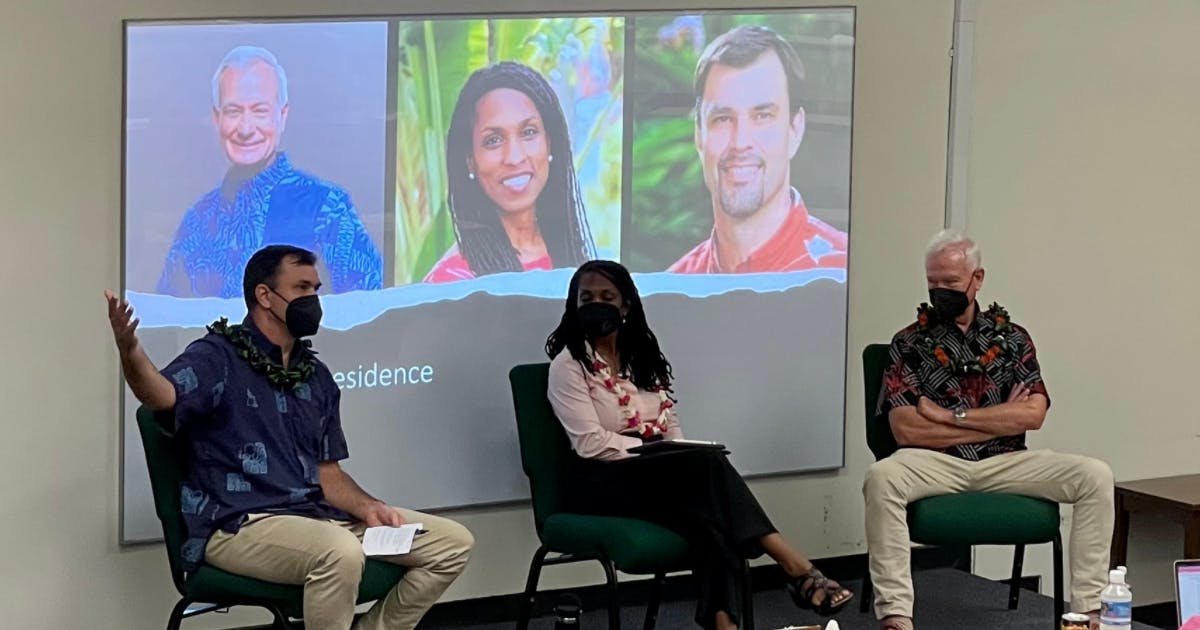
<point>1182,564</point>
<point>390,156</point>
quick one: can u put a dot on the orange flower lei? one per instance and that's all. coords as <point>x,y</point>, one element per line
<point>997,345</point>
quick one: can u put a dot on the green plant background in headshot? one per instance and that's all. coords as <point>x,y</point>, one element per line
<point>581,58</point>
<point>670,208</point>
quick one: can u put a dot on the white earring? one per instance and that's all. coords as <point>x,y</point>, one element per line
<point>471,175</point>
<point>551,158</point>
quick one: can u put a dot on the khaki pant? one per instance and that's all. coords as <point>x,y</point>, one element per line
<point>911,474</point>
<point>327,558</point>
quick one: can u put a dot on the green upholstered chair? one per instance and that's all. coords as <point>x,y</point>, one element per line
<point>209,588</point>
<point>969,518</point>
<point>625,544</point>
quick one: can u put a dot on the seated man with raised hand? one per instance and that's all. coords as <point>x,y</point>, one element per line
<point>264,495</point>
<point>963,388</point>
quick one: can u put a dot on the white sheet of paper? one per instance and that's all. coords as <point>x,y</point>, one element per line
<point>389,541</point>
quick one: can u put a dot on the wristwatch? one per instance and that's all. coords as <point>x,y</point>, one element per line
<point>960,415</point>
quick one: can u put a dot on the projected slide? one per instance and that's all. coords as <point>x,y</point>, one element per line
<point>451,174</point>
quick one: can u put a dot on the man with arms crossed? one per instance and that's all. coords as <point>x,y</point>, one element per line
<point>963,388</point>
<point>264,494</point>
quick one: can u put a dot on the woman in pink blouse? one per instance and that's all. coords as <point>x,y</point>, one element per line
<point>610,386</point>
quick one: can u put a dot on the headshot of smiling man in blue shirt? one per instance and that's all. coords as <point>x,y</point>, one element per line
<point>262,198</point>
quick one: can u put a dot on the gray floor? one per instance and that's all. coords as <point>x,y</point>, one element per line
<point>947,599</point>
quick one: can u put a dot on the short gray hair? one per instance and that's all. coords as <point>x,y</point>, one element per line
<point>243,57</point>
<point>953,239</point>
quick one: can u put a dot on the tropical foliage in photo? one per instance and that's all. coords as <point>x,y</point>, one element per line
<point>581,58</point>
<point>670,208</point>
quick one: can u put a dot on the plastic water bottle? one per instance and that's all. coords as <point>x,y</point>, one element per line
<point>1116,603</point>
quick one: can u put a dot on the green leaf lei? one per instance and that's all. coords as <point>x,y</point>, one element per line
<point>278,375</point>
<point>998,344</point>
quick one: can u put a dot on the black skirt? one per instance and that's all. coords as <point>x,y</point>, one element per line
<point>697,494</point>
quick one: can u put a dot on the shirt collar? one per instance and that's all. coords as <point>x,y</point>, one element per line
<point>236,179</point>
<point>274,352</point>
<point>785,245</point>
<point>980,322</point>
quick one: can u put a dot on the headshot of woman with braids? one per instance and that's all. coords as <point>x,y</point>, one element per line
<point>513,192</point>
<point>610,386</point>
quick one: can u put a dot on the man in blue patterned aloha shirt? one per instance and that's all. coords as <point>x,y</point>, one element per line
<point>256,416</point>
<point>263,200</point>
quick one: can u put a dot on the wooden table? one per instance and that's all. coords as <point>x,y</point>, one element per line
<point>1175,497</point>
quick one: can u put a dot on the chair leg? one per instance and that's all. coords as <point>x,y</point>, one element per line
<point>747,598</point>
<point>868,593</point>
<point>176,618</point>
<point>1058,578</point>
<point>525,612</point>
<point>614,597</point>
<point>656,589</point>
<point>964,559</point>
<point>1014,587</point>
<point>281,620</point>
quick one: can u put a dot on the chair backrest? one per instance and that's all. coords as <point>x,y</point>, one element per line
<point>879,430</point>
<point>545,450</point>
<point>166,460</point>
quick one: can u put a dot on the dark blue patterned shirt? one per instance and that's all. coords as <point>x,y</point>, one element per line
<point>277,206</point>
<point>252,447</point>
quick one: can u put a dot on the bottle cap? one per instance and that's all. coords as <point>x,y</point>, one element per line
<point>1116,576</point>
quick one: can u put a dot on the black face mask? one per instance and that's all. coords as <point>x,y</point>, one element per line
<point>948,303</point>
<point>599,319</point>
<point>303,316</point>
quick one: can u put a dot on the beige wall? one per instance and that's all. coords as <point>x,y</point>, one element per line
<point>1084,154</point>
<point>60,130</point>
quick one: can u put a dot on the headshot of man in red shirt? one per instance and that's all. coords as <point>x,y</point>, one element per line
<point>749,124</point>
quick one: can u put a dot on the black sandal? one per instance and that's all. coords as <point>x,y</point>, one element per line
<point>804,588</point>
